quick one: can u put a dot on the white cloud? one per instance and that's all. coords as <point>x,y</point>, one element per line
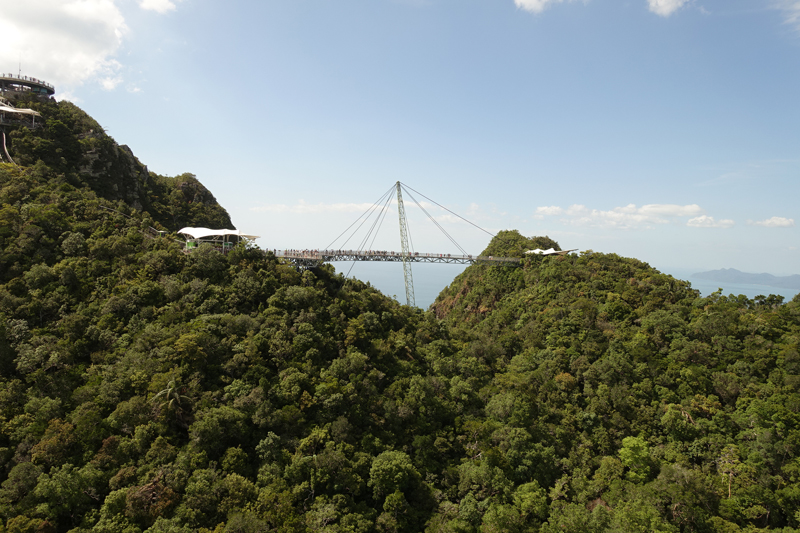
<point>774,222</point>
<point>626,217</point>
<point>449,219</point>
<point>62,42</point>
<point>665,8</point>
<point>549,210</point>
<point>578,210</point>
<point>791,10</point>
<point>535,6</point>
<point>705,221</point>
<point>109,83</point>
<point>69,96</point>
<point>671,210</point>
<point>67,42</point>
<point>159,6</point>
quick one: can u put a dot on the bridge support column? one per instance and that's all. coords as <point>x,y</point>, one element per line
<point>406,254</point>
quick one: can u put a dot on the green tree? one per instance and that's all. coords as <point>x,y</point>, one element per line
<point>172,401</point>
<point>635,455</point>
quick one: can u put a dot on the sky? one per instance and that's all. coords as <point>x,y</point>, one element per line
<point>665,130</point>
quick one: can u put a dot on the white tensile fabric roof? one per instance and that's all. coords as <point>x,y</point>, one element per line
<point>549,251</point>
<point>539,251</point>
<point>201,233</point>
<point>7,109</point>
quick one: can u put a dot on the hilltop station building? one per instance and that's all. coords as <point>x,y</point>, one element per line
<point>222,240</point>
<point>13,87</point>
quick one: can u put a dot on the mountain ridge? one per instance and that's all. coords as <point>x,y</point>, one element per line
<point>731,275</point>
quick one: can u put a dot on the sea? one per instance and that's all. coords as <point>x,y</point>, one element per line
<point>431,279</point>
<point>707,287</point>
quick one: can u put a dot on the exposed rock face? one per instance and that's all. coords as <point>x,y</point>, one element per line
<point>195,192</point>
<point>184,201</point>
<point>114,172</point>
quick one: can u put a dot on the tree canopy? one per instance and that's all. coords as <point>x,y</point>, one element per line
<point>144,389</point>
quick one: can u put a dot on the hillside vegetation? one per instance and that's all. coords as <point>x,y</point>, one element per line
<point>143,389</point>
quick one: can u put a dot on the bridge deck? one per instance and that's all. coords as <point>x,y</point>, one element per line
<point>312,258</point>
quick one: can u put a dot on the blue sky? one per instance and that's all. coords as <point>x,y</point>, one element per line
<point>665,130</point>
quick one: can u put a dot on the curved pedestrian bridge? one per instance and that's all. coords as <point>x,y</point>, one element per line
<point>313,258</point>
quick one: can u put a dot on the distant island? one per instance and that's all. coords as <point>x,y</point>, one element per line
<point>731,275</point>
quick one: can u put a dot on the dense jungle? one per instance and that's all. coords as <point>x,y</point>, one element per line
<point>144,389</point>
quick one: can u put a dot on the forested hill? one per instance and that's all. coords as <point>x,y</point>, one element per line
<point>142,389</point>
<point>674,411</point>
<point>73,152</point>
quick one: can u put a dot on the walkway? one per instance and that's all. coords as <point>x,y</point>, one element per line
<point>313,258</point>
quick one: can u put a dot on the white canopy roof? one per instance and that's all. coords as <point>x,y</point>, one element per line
<point>549,251</point>
<point>8,109</point>
<point>539,251</point>
<point>203,233</point>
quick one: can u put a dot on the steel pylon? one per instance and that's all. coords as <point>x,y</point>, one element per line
<point>406,255</point>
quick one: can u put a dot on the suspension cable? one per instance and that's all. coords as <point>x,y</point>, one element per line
<point>437,224</point>
<point>451,212</point>
<point>381,208</point>
<point>456,214</point>
<point>379,221</point>
<point>387,193</point>
<point>372,228</point>
<point>408,230</point>
<point>385,212</point>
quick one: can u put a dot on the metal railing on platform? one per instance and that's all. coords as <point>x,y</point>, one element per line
<point>28,79</point>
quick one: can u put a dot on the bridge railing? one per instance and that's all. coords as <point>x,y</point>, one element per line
<point>324,256</point>
<point>14,78</point>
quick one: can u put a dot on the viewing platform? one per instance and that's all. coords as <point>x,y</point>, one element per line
<point>313,258</point>
<point>222,240</point>
<point>10,83</point>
